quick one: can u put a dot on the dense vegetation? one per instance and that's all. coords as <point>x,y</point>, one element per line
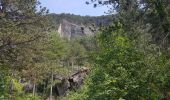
<point>133,58</point>
<point>31,53</point>
<point>128,59</point>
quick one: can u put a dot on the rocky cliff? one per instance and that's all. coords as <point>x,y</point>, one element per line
<point>72,26</point>
<point>70,30</point>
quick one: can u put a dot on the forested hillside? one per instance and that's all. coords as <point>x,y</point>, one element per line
<point>127,58</point>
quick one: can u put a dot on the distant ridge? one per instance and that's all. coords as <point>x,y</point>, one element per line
<point>81,20</point>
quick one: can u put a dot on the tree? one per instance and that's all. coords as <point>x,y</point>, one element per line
<point>22,28</point>
<point>54,52</point>
<point>77,53</point>
<point>136,13</point>
<point>124,71</point>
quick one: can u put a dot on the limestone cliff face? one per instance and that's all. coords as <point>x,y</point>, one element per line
<point>70,30</point>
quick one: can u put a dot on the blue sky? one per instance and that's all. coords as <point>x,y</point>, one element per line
<point>77,7</point>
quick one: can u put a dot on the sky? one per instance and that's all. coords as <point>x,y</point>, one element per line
<point>77,7</point>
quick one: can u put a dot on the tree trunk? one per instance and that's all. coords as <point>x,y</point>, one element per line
<point>33,91</point>
<point>43,92</point>
<point>51,89</point>
<point>72,63</point>
<point>11,89</point>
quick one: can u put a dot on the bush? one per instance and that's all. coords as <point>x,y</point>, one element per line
<point>124,71</point>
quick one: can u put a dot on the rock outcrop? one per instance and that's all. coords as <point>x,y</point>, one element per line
<point>69,30</point>
<point>73,82</point>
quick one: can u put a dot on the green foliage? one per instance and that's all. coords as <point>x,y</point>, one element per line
<point>127,57</point>
<point>54,52</point>
<point>22,31</point>
<point>28,97</point>
<point>22,28</point>
<point>3,86</point>
<point>56,47</point>
<point>76,49</point>
<point>124,71</point>
<point>18,92</point>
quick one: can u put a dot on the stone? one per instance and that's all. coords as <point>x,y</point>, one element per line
<point>69,30</point>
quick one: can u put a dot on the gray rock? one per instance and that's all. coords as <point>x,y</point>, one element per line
<point>69,30</point>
